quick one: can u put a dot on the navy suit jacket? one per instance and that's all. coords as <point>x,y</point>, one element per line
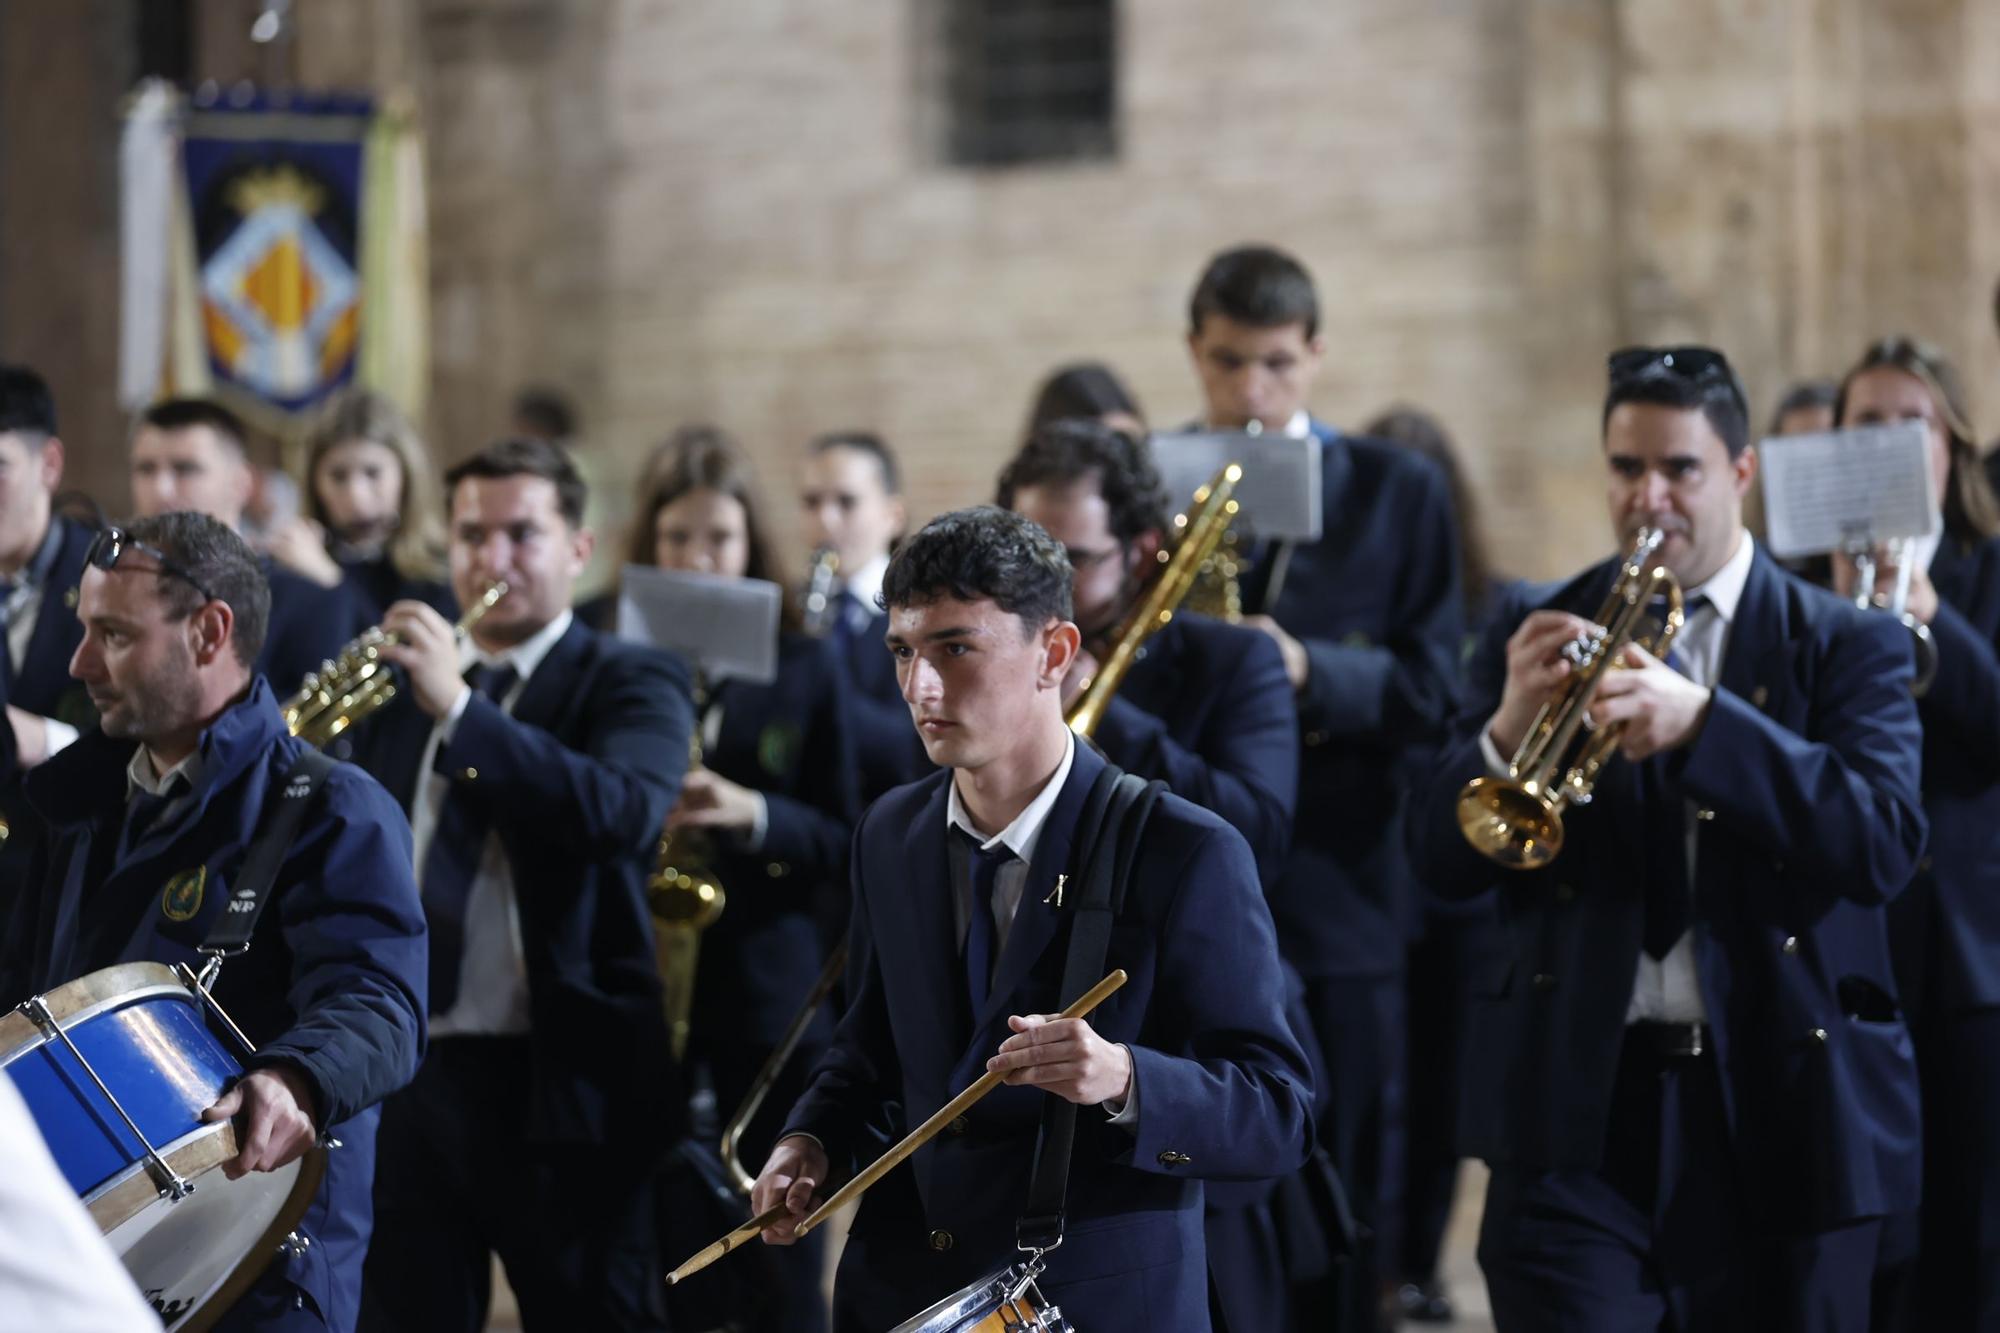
<point>886,744</point>
<point>790,740</point>
<point>1223,1087</point>
<point>576,782</point>
<point>43,685</point>
<point>309,625</point>
<point>1946,928</point>
<point>334,982</point>
<point>1207,710</point>
<point>1376,603</point>
<point>1805,775</point>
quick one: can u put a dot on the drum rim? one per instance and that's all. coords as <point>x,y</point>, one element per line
<point>195,1148</point>
<point>89,995</point>
<point>1000,1282</point>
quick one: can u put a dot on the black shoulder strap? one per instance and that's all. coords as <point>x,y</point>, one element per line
<point>252,891</point>
<point>1113,847</point>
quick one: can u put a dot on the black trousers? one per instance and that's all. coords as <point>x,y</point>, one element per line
<point>1657,1238</point>
<point>456,1182</point>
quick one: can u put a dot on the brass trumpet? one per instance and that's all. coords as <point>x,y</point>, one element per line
<point>1201,532</point>
<point>1922,645</point>
<point>358,683</point>
<point>1517,820</point>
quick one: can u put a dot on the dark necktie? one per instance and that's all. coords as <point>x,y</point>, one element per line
<point>981,935</point>
<point>144,810</point>
<point>7,587</point>
<point>1669,894</point>
<point>451,863</point>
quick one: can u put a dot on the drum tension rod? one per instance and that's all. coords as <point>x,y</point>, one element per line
<point>169,1181</point>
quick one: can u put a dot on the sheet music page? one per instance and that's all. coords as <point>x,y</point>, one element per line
<point>1831,489</point>
<point>725,628</point>
<point>1279,496</point>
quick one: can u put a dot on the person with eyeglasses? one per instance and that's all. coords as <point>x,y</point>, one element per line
<point>191,454</point>
<point>1687,1069</point>
<point>1369,621</point>
<point>1943,1265</point>
<point>151,818</point>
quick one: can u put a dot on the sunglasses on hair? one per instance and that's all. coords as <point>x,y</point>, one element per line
<point>1691,363</point>
<point>112,541</point>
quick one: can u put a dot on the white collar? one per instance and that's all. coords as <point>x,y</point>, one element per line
<point>1724,588</point>
<point>1300,427</point>
<point>525,656</point>
<point>865,583</point>
<point>139,773</point>
<point>1020,836</point>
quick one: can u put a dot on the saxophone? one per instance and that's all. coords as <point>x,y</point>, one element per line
<point>685,898</point>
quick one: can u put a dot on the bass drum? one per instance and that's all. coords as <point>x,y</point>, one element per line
<point>1002,1302</point>
<point>128,1047</point>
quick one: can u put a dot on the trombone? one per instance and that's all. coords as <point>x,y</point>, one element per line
<point>357,684</point>
<point>1518,820</point>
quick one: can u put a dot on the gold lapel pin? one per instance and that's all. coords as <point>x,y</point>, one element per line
<point>1760,696</point>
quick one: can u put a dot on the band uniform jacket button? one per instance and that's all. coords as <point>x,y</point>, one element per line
<point>958,1126</point>
<point>1315,738</point>
<point>1704,814</point>
<point>1544,981</point>
<point>1565,893</point>
<point>940,1241</point>
<point>468,775</point>
<point>1760,696</point>
<point>1171,1159</point>
<point>777,870</point>
<point>1924,864</point>
<point>1791,944</point>
<point>1819,1035</point>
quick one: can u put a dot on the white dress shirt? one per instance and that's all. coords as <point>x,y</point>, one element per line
<point>493,970</point>
<point>24,607</point>
<point>1668,989</point>
<point>865,584</point>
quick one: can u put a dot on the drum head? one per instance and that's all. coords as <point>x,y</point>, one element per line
<point>193,1257</point>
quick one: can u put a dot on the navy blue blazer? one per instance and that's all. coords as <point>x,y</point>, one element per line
<point>334,981</point>
<point>791,741</point>
<point>576,782</point>
<point>1946,927</point>
<point>1223,1088</point>
<point>309,625</point>
<point>1207,710</point>
<point>1805,775</point>
<point>43,685</point>
<point>1376,603</point>
<point>886,744</point>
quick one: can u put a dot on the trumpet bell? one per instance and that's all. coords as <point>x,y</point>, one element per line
<point>1514,826</point>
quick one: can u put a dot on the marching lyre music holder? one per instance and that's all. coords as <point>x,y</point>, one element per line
<point>882,1165</point>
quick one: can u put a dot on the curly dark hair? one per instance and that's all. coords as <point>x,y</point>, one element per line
<point>210,553</point>
<point>983,554</point>
<point>1062,452</point>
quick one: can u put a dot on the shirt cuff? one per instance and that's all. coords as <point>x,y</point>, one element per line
<point>59,735</point>
<point>1127,1116</point>
<point>752,838</point>
<point>1496,763</point>
<point>449,723</point>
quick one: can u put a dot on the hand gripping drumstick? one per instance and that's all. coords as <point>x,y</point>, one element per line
<point>882,1165</point>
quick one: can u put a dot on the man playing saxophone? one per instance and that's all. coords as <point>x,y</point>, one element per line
<point>1687,1067</point>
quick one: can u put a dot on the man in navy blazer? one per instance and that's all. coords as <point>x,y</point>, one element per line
<point>150,821</point>
<point>41,562</point>
<point>852,493</point>
<point>537,760</point>
<point>1689,1070</point>
<point>190,453</point>
<point>1369,622</point>
<point>1189,1072</point>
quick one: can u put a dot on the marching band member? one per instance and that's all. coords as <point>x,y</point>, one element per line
<point>1945,928</point>
<point>1087,389</point>
<point>1368,621</point>
<point>189,453</point>
<point>852,494</point>
<point>536,760</point>
<point>150,820</point>
<point>777,788</point>
<point>373,520</point>
<point>1688,1070</point>
<point>1190,1072</point>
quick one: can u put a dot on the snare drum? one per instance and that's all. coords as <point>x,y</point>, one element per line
<point>117,1068</point>
<point>1002,1302</point>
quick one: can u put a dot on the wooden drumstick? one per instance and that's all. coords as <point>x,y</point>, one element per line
<point>736,1239</point>
<point>949,1112</point>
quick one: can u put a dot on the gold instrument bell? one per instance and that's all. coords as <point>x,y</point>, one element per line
<point>358,683</point>
<point>1517,820</point>
<point>685,898</point>
<point>1201,532</point>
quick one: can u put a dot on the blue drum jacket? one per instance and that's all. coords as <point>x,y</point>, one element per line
<point>334,980</point>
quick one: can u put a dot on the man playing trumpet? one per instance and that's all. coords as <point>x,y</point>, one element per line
<point>1688,1067</point>
<point>961,928</point>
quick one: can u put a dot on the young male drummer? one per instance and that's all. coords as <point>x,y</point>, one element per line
<point>1190,1072</point>
<point>150,820</point>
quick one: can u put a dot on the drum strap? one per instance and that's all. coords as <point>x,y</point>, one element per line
<point>1113,817</point>
<point>232,931</point>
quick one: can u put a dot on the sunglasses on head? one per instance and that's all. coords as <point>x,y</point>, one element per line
<point>1691,363</point>
<point>112,541</point>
